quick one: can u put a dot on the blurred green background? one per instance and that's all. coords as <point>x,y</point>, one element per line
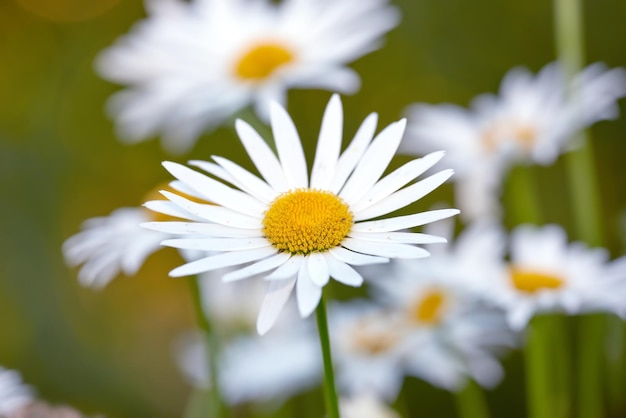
<point>60,163</point>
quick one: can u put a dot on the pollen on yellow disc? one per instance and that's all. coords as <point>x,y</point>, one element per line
<point>303,221</point>
<point>531,281</point>
<point>260,61</point>
<point>155,194</point>
<point>429,308</point>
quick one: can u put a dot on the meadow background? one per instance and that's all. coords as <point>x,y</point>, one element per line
<point>60,163</point>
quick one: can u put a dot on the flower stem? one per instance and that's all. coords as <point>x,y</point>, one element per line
<point>538,368</point>
<point>471,401</point>
<point>211,345</point>
<point>330,394</point>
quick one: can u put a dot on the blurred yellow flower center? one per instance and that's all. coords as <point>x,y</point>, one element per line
<point>530,281</point>
<point>372,336</point>
<point>429,308</point>
<point>304,220</point>
<point>155,194</point>
<point>522,134</point>
<point>260,61</point>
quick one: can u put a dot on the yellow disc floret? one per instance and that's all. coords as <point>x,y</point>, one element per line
<point>531,281</point>
<point>303,221</point>
<point>429,308</point>
<point>260,61</point>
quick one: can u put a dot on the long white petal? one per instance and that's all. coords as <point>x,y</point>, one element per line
<point>214,169</point>
<point>287,270</point>
<point>381,249</point>
<point>404,222</point>
<point>397,179</point>
<point>356,259</point>
<point>308,293</point>
<point>262,156</point>
<point>264,265</point>
<point>404,197</point>
<point>342,272</point>
<point>374,162</point>
<point>352,154</point>
<point>217,244</point>
<point>217,214</point>
<point>247,181</point>
<point>318,270</point>
<point>171,209</point>
<point>222,260</point>
<point>276,296</point>
<point>399,237</point>
<point>203,228</point>
<point>328,145</point>
<point>289,147</point>
<point>216,192</point>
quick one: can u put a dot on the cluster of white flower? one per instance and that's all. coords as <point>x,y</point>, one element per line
<point>446,318</point>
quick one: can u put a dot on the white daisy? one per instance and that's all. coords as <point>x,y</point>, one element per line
<point>300,231</point>
<point>366,406</point>
<point>13,393</point>
<point>532,120</point>
<point>449,334</point>
<point>192,65</point>
<point>546,274</point>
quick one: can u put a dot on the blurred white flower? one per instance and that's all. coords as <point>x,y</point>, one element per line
<point>532,120</point>
<point>546,274</point>
<point>192,65</point>
<point>13,393</point>
<point>296,232</point>
<point>365,406</point>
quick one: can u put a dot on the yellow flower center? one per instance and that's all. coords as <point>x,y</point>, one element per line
<point>523,134</point>
<point>530,281</point>
<point>260,61</point>
<point>303,221</point>
<point>155,194</point>
<point>372,336</point>
<point>429,308</point>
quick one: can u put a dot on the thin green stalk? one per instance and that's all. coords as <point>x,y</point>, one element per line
<point>523,203</point>
<point>561,358</point>
<point>569,33</point>
<point>215,402</point>
<point>538,364</point>
<point>470,401</point>
<point>330,394</point>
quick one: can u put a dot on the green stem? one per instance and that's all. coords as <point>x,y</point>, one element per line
<point>211,345</point>
<point>523,204</point>
<point>330,394</point>
<point>591,346</point>
<point>471,401</point>
<point>538,369</point>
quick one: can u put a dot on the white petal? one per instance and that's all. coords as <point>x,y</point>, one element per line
<point>276,296</point>
<point>404,196</point>
<point>356,259</point>
<point>390,250</point>
<point>214,169</point>
<point>328,145</point>
<point>399,237</point>
<point>374,162</point>
<point>289,147</point>
<point>262,156</point>
<point>216,192</point>
<point>352,154</point>
<point>258,267</point>
<point>403,222</point>
<point>217,244</point>
<point>203,228</point>
<point>342,272</point>
<point>308,293</point>
<point>397,179</point>
<point>171,209</point>
<point>217,214</point>
<point>318,270</point>
<point>247,181</point>
<point>287,270</point>
<point>222,260</point>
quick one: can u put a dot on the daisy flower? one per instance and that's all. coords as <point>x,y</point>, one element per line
<point>14,395</point>
<point>366,406</point>
<point>299,231</point>
<point>546,274</point>
<point>532,120</point>
<point>192,65</point>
